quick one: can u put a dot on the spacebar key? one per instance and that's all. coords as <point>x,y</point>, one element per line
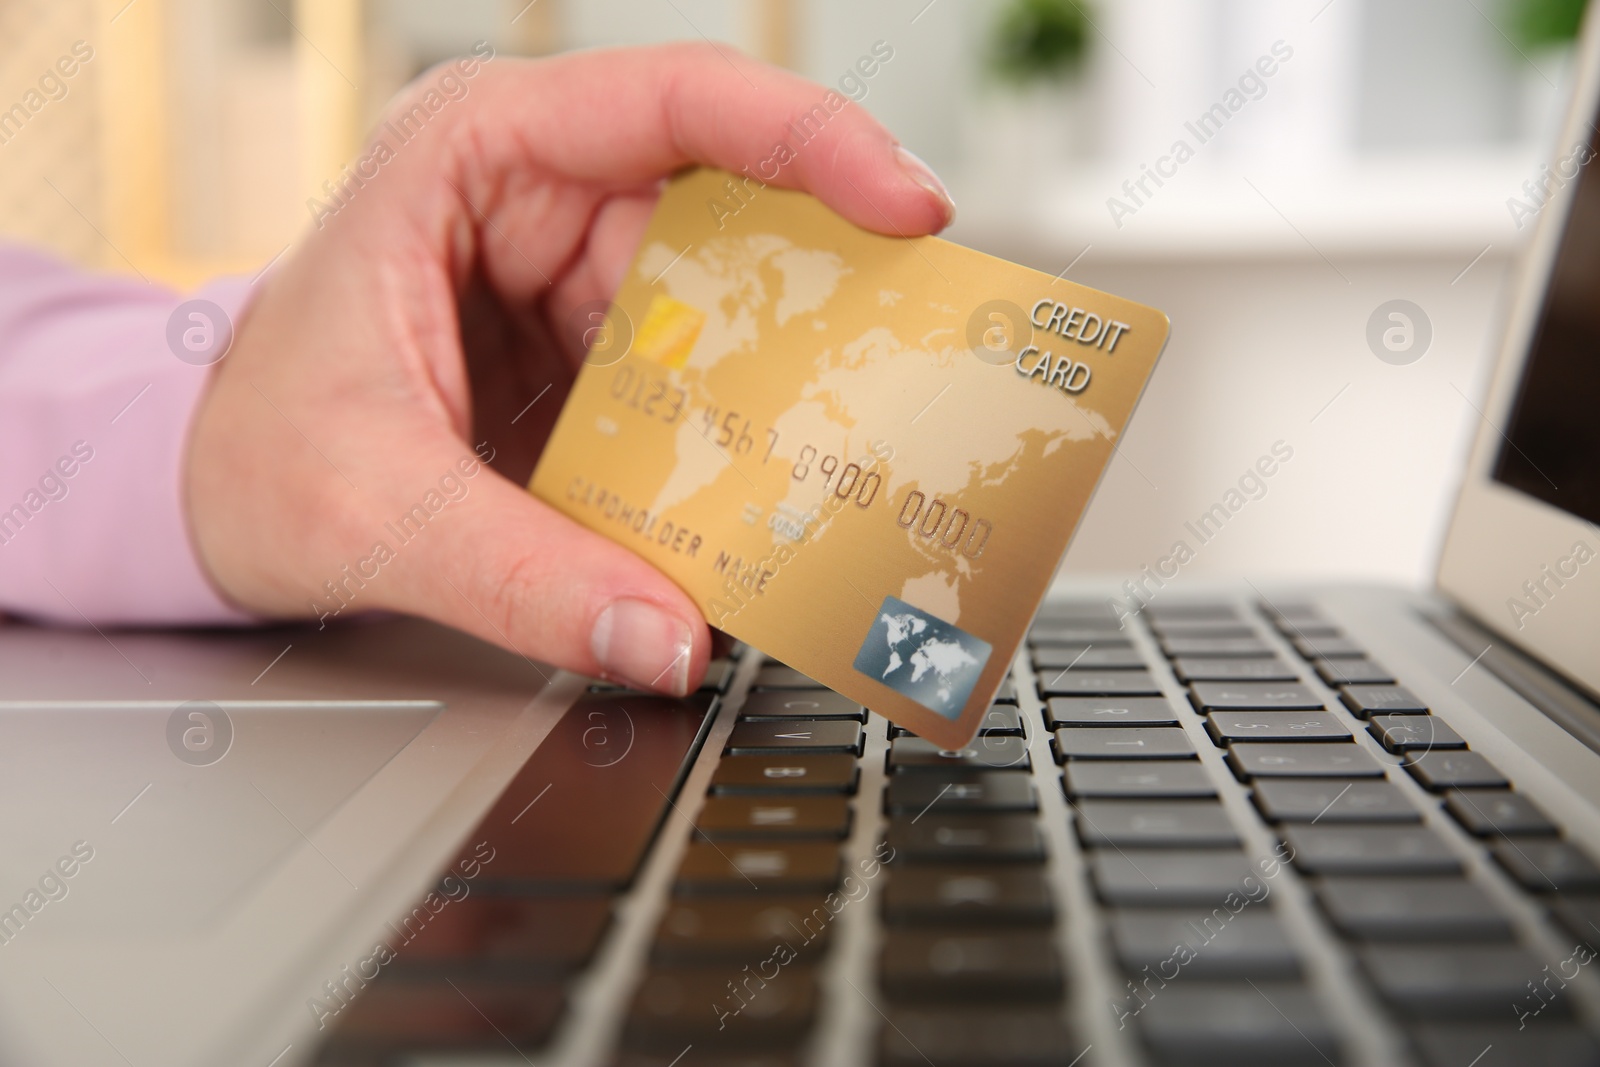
<point>584,808</point>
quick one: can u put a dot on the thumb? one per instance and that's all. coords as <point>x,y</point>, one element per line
<point>516,572</point>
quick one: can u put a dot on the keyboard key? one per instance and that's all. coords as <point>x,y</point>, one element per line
<point>538,843</point>
<point>960,791</point>
<point>1238,1024</point>
<point>1328,647</point>
<point>1042,636</point>
<point>719,672</point>
<point>1368,700</point>
<point>1288,760</point>
<point>1102,742</point>
<point>764,867</point>
<point>1002,719</point>
<point>963,967</point>
<point>778,676</point>
<point>1155,824</point>
<point>1370,850</point>
<point>1229,627</point>
<point>730,818</point>
<point>759,738</point>
<point>1169,877</point>
<point>1086,658</point>
<point>675,1008</point>
<point>697,930</point>
<point>1337,672</point>
<point>511,937</point>
<point>1331,800</point>
<point>1548,866</point>
<point>1549,1043</point>
<point>1191,610</point>
<point>392,1019</point>
<point>1134,779</point>
<point>1215,646</point>
<point>1097,683</point>
<point>1102,711</point>
<point>993,751</point>
<point>1495,812</point>
<point>999,719</point>
<point>1457,982</point>
<point>800,704</point>
<point>762,1057</point>
<point>982,1037</point>
<point>1190,669</point>
<point>1099,612</point>
<point>1440,769</point>
<point>1253,696</point>
<point>1226,727</point>
<point>937,838</point>
<point>1298,613</point>
<point>1578,916</point>
<point>1290,628</point>
<point>1008,691</point>
<point>964,895</point>
<point>1411,909</point>
<point>1408,733</point>
<point>1222,944</point>
<point>786,773</point>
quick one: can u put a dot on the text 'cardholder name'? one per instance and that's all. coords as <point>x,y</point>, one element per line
<point>863,455</point>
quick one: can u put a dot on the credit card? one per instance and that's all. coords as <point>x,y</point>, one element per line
<point>862,455</point>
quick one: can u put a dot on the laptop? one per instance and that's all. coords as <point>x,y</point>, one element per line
<point>1220,825</point>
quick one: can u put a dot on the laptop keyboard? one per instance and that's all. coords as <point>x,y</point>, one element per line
<point>1295,843</point>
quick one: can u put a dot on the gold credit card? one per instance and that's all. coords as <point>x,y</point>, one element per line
<point>862,455</point>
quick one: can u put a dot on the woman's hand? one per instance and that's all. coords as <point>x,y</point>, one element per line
<point>412,330</point>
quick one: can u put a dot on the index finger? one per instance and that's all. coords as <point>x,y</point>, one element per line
<point>625,117</point>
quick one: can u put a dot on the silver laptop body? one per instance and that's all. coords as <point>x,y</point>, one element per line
<point>387,842</point>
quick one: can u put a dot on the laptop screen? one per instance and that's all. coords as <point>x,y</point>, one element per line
<point>1552,442</point>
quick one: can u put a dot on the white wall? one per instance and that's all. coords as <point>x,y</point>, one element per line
<point>1258,347</point>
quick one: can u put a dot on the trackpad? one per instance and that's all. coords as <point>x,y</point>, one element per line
<point>181,810</point>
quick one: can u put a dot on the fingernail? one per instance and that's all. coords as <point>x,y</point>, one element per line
<point>923,175</point>
<point>640,644</point>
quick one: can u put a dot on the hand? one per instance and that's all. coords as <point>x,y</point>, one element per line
<point>333,464</point>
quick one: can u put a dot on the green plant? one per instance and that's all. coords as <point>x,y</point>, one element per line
<point>1038,40</point>
<point>1538,23</point>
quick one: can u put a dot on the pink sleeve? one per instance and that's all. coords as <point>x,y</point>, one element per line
<point>95,410</point>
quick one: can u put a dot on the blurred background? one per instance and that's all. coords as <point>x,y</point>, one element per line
<point>1341,154</point>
